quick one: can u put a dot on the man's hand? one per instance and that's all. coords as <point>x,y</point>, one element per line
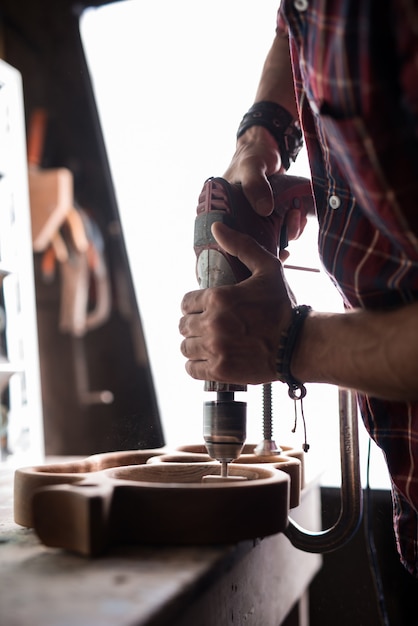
<point>257,154</point>
<point>256,157</point>
<point>231,333</point>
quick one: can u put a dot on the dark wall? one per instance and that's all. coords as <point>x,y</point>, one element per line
<point>41,39</point>
<point>344,592</point>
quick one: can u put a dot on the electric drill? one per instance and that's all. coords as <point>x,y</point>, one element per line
<point>224,419</point>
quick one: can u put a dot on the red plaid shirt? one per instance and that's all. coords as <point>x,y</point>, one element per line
<point>356,77</point>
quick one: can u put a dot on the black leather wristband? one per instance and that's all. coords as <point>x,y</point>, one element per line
<point>286,348</point>
<point>280,123</point>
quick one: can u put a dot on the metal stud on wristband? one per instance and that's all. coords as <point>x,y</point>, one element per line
<point>288,342</point>
<point>280,123</point>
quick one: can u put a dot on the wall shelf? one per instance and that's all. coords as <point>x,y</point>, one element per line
<point>21,412</point>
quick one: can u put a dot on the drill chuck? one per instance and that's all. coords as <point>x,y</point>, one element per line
<point>224,427</point>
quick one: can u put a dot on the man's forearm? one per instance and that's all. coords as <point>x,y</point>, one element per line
<point>276,82</point>
<point>372,352</point>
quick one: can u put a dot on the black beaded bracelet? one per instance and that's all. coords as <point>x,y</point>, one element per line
<point>280,123</point>
<point>285,351</point>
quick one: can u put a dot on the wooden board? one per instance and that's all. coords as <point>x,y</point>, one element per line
<point>51,198</point>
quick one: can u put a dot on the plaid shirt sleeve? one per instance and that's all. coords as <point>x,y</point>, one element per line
<point>356,78</point>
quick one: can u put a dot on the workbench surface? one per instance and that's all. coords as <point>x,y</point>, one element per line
<point>254,583</point>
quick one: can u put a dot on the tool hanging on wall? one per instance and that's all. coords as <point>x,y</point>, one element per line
<point>68,238</point>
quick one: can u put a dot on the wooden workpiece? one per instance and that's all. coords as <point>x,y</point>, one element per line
<point>252,582</point>
<point>119,498</point>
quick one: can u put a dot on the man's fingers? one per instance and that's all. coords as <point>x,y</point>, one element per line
<point>190,348</point>
<point>259,194</point>
<point>295,223</point>
<point>197,370</point>
<point>193,302</point>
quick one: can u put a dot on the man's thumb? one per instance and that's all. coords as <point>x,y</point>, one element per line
<point>242,246</point>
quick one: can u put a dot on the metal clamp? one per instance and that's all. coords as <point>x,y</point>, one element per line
<point>351,510</point>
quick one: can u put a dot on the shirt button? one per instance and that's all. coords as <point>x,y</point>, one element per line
<point>334,202</point>
<point>301,5</point>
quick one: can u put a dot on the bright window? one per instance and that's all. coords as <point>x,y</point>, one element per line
<point>172,81</point>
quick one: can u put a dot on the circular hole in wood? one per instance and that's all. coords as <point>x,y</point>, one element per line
<point>187,473</point>
<point>181,458</point>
